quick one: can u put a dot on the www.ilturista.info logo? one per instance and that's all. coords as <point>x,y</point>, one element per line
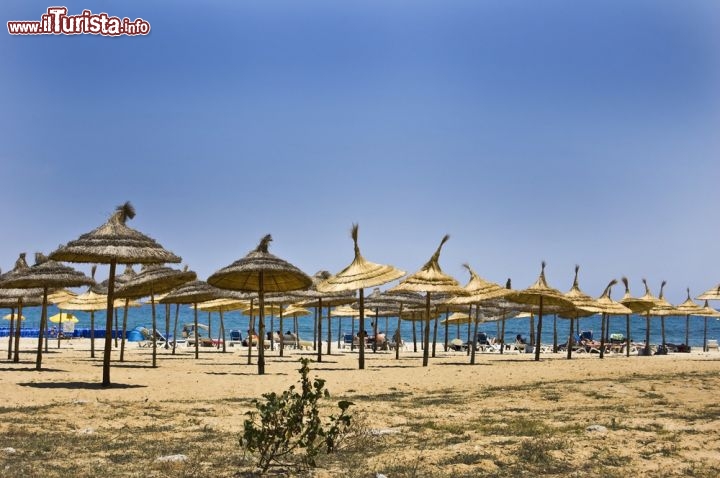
<point>57,22</point>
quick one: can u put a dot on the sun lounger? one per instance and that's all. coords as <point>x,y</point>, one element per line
<point>712,344</point>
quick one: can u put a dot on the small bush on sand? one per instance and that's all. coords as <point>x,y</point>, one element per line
<point>286,430</point>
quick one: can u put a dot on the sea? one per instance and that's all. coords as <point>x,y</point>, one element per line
<point>554,329</point>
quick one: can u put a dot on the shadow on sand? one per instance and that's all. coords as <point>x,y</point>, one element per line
<point>79,385</point>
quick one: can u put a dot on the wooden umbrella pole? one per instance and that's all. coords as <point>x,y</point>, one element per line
<point>426,332</point>
<point>555,334</point>
<point>361,331</point>
<point>154,330</point>
<point>11,335</point>
<point>222,331</point>
<point>16,355</point>
<point>282,334</point>
<point>197,340</point>
<point>375,329</point>
<point>447,330</point>
<point>475,332</point>
<point>603,326</point>
<point>319,329</point>
<point>435,331</point>
<point>687,329</point>
<point>538,341</point>
<point>398,335</point>
<point>177,313</point>
<point>329,332</point>
<point>251,331</point>
<point>662,329</point>
<point>705,347</point>
<point>272,327</point>
<point>315,329</point>
<point>467,350</point>
<point>124,329</point>
<point>339,334</point>
<point>108,324</point>
<point>92,334</point>
<point>261,323</point>
<point>167,326</point>
<point>352,332</point>
<point>502,333</point>
<point>647,333</point>
<point>43,325</point>
<point>627,338</point>
<point>571,339</point>
<point>414,332</point>
<point>116,327</point>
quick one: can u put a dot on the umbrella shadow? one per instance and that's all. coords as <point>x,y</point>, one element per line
<point>31,369</point>
<point>78,385</point>
<point>244,374</point>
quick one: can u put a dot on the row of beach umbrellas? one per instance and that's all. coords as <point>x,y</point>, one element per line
<point>273,283</point>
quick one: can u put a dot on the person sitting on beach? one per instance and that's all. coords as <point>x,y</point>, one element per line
<point>519,339</point>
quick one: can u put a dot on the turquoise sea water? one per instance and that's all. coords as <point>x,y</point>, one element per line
<point>141,316</point>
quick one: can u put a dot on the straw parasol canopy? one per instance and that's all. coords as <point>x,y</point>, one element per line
<point>261,272</point>
<point>585,306</point>
<point>688,308</point>
<point>344,311</point>
<point>296,310</point>
<point>14,317</point>
<point>46,274</point>
<point>61,317</point>
<point>710,294</point>
<point>540,294</point>
<point>193,292</point>
<point>430,279</point>
<point>457,318</point>
<point>114,243</point>
<point>154,279</point>
<point>479,290</point>
<point>663,309</point>
<point>707,311</point>
<point>610,307</point>
<point>360,274</point>
<point>17,299</point>
<point>222,305</point>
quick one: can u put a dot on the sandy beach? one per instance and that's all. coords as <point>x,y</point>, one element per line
<point>505,414</point>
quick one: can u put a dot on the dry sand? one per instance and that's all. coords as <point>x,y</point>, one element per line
<point>504,415</point>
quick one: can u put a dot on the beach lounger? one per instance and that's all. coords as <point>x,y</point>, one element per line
<point>235,338</point>
<point>712,344</point>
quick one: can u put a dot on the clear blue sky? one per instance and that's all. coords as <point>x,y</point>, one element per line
<point>575,132</point>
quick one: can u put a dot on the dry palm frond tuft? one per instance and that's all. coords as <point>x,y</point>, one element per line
<point>124,212</point>
<point>626,283</point>
<point>575,282</point>
<point>606,292</point>
<point>40,258</point>
<point>508,284</point>
<point>264,244</point>
<point>21,263</point>
<point>93,270</point>
<point>662,286</point>
<point>354,235</point>
<point>647,288</point>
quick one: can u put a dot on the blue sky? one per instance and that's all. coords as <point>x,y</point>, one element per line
<point>574,132</point>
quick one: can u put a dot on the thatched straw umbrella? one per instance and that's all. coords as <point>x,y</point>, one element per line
<point>430,279</point>
<point>315,298</point>
<point>259,271</point>
<point>651,299</point>
<point>638,305</point>
<point>17,299</point>
<point>585,306</point>
<point>707,311</point>
<point>154,279</point>
<point>114,243</point>
<point>540,294</point>
<point>102,288</point>
<point>277,302</point>
<point>47,275</point>
<point>688,308</point>
<point>479,291</point>
<point>663,309</point>
<point>342,311</point>
<point>295,311</point>
<point>221,306</point>
<point>609,307</point>
<point>710,294</point>
<point>357,276</point>
<point>91,301</point>
<point>193,293</point>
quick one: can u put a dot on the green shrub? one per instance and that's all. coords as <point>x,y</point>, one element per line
<point>286,430</point>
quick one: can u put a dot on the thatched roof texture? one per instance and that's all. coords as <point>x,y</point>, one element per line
<point>479,290</point>
<point>192,293</point>
<point>360,274</point>
<point>45,274</point>
<point>430,277</point>
<point>154,279</point>
<point>609,306</point>
<point>689,307</point>
<point>244,274</point>
<point>636,304</point>
<point>114,240</point>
